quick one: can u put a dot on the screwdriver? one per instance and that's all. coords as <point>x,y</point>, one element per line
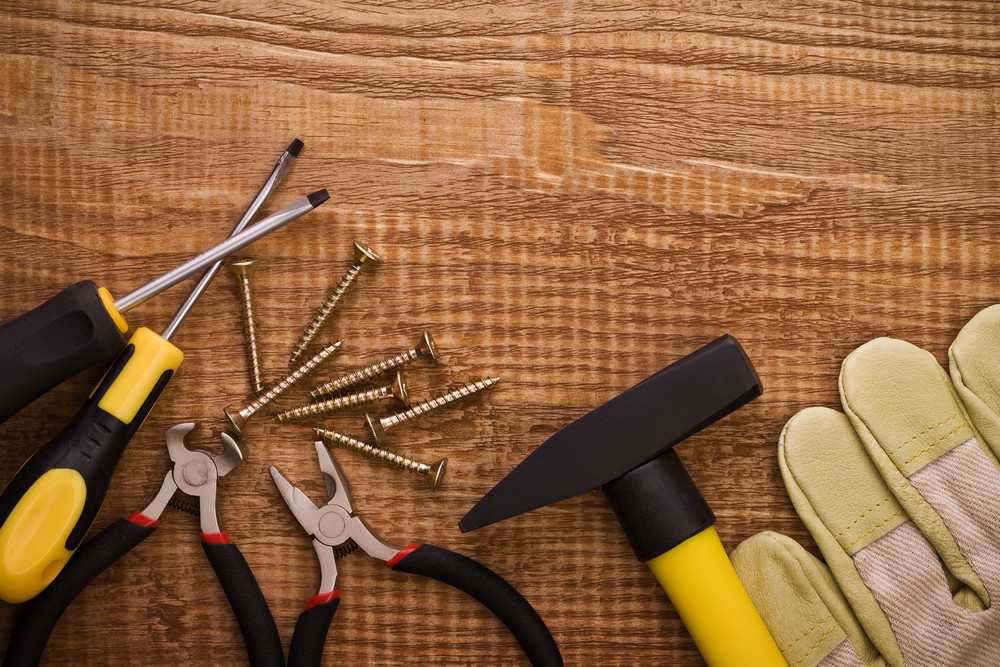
<point>82,326</point>
<point>49,506</point>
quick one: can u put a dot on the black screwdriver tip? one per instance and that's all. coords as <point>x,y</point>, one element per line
<point>318,197</point>
<point>294,148</point>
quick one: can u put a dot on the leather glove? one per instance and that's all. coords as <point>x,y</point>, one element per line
<point>901,492</point>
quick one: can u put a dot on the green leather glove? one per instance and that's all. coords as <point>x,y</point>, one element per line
<point>901,493</point>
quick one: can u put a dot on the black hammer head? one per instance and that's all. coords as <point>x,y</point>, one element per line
<point>625,432</point>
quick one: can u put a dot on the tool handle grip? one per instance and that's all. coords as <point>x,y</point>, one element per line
<point>41,614</point>
<point>309,636</point>
<point>489,588</point>
<point>72,331</point>
<point>711,601</point>
<point>260,634</point>
<point>51,502</point>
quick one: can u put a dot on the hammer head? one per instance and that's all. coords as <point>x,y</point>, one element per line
<point>627,431</point>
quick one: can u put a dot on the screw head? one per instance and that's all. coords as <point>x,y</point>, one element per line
<point>436,473</point>
<point>375,426</point>
<point>236,419</point>
<point>243,267</point>
<point>363,254</point>
<point>427,347</point>
<point>399,390</point>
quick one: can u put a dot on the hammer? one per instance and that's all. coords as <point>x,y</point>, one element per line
<point>626,447</point>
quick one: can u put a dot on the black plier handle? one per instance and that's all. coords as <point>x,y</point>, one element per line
<point>260,633</point>
<point>337,530</point>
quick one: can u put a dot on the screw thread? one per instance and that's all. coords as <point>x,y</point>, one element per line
<point>373,370</point>
<point>371,451</point>
<point>437,402</point>
<point>250,331</point>
<point>335,403</point>
<point>284,385</point>
<point>324,312</point>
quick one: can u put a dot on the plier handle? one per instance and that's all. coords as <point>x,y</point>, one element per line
<point>196,473</point>
<point>337,530</point>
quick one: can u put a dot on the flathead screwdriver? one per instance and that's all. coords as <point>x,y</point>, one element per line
<point>82,326</point>
<point>49,506</point>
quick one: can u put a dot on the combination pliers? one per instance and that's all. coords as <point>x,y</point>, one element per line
<point>337,530</point>
<point>195,473</point>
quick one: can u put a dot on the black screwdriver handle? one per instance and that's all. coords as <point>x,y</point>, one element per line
<point>489,588</point>
<point>260,634</point>
<point>69,333</point>
<point>41,614</point>
<point>310,632</point>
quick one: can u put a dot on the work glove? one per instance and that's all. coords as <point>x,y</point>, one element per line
<point>901,493</point>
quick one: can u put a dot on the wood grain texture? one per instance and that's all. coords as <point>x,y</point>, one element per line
<point>569,195</point>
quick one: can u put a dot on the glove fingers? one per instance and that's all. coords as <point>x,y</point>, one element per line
<point>974,358</point>
<point>845,504</point>
<point>909,419</point>
<point>800,603</point>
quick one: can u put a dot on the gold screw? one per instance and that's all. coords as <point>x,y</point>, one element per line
<point>433,473</point>
<point>396,389</point>
<point>363,256</point>
<point>426,347</point>
<point>243,271</point>
<point>380,426</point>
<point>238,418</point>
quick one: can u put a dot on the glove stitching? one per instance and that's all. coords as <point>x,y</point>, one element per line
<point>875,527</point>
<point>862,515</point>
<point>926,431</point>
<point>928,447</point>
<point>807,632</point>
<point>816,645</point>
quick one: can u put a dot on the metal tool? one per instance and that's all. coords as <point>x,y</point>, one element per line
<point>378,427</point>
<point>626,447</point>
<point>363,256</point>
<point>337,530</point>
<point>81,326</point>
<point>50,504</point>
<point>238,418</point>
<point>243,271</point>
<point>432,472</point>
<point>195,473</point>
<point>396,390</point>
<point>426,347</point>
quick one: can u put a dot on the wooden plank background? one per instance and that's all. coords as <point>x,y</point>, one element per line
<point>569,195</point>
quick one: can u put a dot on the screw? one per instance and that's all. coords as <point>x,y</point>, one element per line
<point>426,347</point>
<point>243,271</point>
<point>433,473</point>
<point>239,418</point>
<point>363,256</point>
<point>396,389</point>
<point>380,426</point>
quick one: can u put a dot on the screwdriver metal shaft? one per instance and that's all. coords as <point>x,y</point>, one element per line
<point>294,210</point>
<point>282,167</point>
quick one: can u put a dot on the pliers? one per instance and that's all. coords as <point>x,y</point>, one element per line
<point>196,473</point>
<point>337,530</point>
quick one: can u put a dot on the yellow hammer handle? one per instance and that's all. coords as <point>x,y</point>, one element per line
<point>712,603</point>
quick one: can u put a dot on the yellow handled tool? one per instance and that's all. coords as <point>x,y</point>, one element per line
<point>49,506</point>
<point>626,447</point>
<point>83,325</point>
<point>52,501</point>
<point>712,603</point>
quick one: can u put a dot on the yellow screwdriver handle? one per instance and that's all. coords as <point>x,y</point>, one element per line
<point>704,588</point>
<point>50,504</point>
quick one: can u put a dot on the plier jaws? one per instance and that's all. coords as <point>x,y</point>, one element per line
<point>196,473</point>
<point>335,528</point>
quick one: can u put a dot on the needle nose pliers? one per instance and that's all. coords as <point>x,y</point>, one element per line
<point>196,473</point>
<point>337,530</point>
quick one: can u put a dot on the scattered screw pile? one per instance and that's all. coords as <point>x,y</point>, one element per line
<point>331,396</point>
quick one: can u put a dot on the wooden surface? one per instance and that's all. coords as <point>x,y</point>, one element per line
<point>567,195</point>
